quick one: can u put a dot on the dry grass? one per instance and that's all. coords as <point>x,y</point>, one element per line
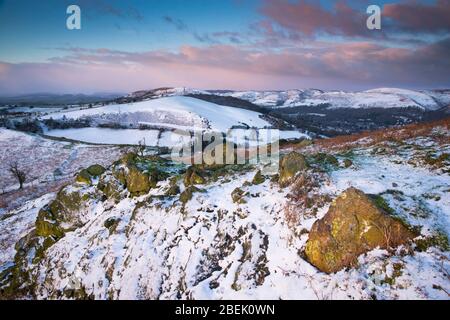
<point>369,138</point>
<point>304,198</point>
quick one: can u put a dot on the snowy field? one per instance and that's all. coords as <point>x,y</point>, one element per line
<point>44,161</point>
<point>151,137</point>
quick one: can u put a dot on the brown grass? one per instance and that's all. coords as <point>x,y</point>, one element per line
<point>369,138</point>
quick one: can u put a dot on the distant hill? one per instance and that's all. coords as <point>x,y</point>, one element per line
<point>54,99</point>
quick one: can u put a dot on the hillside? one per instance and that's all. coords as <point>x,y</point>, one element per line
<point>148,228</point>
<point>375,98</point>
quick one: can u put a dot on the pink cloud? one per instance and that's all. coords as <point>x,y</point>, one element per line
<point>309,18</point>
<point>417,17</point>
<point>323,65</point>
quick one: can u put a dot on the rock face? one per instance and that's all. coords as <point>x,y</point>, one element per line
<point>137,181</point>
<point>353,225</point>
<point>193,176</point>
<point>290,165</point>
<point>137,174</point>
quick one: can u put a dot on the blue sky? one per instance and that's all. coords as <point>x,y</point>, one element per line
<point>30,30</point>
<point>237,44</point>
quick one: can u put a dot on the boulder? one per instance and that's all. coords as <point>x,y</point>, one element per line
<point>258,178</point>
<point>96,170</point>
<point>348,163</point>
<point>137,182</point>
<point>66,206</point>
<point>188,193</point>
<point>326,159</point>
<point>238,196</point>
<point>193,176</point>
<point>354,225</point>
<point>111,188</point>
<point>290,165</point>
<point>47,226</point>
<point>83,177</point>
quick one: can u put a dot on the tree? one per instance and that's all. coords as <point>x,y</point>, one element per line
<point>19,174</point>
<point>140,149</point>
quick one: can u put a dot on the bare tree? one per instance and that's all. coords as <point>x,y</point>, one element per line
<point>140,149</point>
<point>19,174</point>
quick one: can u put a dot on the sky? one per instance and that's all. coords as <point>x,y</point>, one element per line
<point>124,46</point>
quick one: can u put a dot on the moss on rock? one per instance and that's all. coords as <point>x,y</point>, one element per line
<point>137,182</point>
<point>348,163</point>
<point>188,193</point>
<point>83,177</point>
<point>238,196</point>
<point>290,165</point>
<point>96,170</point>
<point>354,224</point>
<point>194,176</point>
<point>258,178</point>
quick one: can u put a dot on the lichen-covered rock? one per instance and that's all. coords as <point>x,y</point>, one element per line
<point>238,196</point>
<point>52,222</point>
<point>137,182</point>
<point>348,163</point>
<point>119,174</point>
<point>290,165</point>
<point>67,204</point>
<point>188,193</point>
<point>353,225</point>
<point>326,159</point>
<point>193,176</point>
<point>258,178</point>
<point>96,170</point>
<point>111,224</point>
<point>111,188</point>
<point>128,158</point>
<point>47,225</point>
<point>83,177</point>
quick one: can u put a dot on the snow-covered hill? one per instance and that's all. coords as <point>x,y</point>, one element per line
<point>427,100</point>
<point>176,112</point>
<point>376,98</point>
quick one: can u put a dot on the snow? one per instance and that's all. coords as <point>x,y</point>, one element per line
<point>216,249</point>
<point>193,114</point>
<point>16,225</point>
<point>375,98</point>
<point>108,136</point>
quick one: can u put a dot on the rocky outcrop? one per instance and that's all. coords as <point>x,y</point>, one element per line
<point>290,165</point>
<point>137,182</point>
<point>193,176</point>
<point>85,176</point>
<point>188,193</point>
<point>354,224</point>
<point>138,174</point>
<point>258,178</point>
